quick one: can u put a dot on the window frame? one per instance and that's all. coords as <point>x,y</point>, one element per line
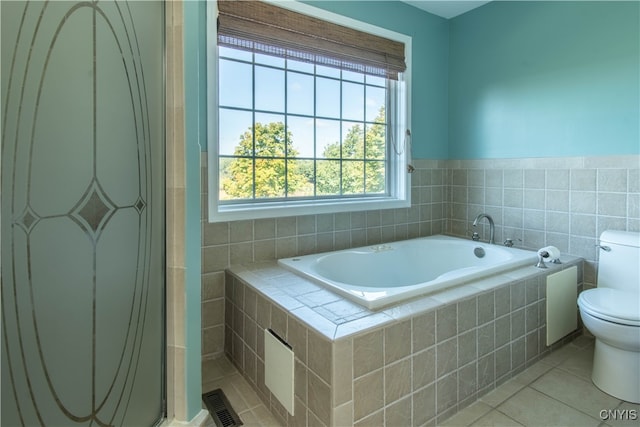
<point>399,181</point>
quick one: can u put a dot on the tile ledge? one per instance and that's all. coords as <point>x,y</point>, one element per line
<point>266,284</point>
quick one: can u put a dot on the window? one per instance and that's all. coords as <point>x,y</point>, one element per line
<point>295,129</point>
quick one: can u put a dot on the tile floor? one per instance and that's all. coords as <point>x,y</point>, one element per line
<point>221,373</point>
<point>556,391</point>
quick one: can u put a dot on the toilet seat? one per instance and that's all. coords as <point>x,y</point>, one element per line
<point>612,305</point>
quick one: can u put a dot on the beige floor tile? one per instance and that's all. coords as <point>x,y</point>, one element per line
<point>496,419</point>
<point>532,408</point>
<point>265,417</point>
<point>583,341</point>
<point>629,405</point>
<point>219,382</point>
<point>249,419</point>
<point>235,398</point>
<point>245,390</point>
<point>209,422</point>
<point>575,392</point>
<point>220,373</point>
<point>625,415</point>
<point>533,372</point>
<point>560,355</point>
<point>502,392</point>
<point>210,386</point>
<point>213,369</point>
<point>468,415</point>
<point>579,364</point>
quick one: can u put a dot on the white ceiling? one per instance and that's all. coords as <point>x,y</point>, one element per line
<point>446,9</point>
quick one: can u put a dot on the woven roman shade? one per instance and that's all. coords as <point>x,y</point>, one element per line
<point>265,28</point>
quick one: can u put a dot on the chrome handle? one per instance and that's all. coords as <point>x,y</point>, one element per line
<point>541,258</point>
<point>509,242</point>
<point>604,248</point>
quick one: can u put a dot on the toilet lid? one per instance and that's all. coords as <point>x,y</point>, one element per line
<point>612,305</point>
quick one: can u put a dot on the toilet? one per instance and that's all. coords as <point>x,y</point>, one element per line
<point>611,312</point>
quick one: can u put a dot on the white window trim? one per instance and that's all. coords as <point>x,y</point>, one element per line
<point>400,182</point>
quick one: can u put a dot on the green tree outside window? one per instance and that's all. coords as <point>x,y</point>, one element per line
<point>357,166</point>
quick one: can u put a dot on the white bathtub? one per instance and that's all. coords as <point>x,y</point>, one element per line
<point>379,275</point>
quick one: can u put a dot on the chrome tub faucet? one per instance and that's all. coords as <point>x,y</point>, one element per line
<point>492,227</point>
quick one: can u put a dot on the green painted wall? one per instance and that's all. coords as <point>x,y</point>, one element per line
<point>541,79</point>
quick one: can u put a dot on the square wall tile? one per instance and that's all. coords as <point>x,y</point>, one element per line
<point>447,357</point>
<point>368,353</point>
<point>424,405</point>
<point>342,371</point>
<point>397,380</point>
<point>423,331</point>
<point>424,368</point>
<point>397,341</point>
<point>319,398</point>
<point>447,392</point>
<point>320,356</point>
<point>557,179</point>
<point>583,179</point>
<point>612,180</point>
<point>368,394</point>
<point>446,322</point>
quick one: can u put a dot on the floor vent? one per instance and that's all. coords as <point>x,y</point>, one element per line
<point>220,409</point>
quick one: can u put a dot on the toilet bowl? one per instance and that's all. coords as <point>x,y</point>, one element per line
<point>616,360</point>
<point>611,312</point>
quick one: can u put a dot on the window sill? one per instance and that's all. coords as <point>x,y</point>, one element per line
<point>304,207</point>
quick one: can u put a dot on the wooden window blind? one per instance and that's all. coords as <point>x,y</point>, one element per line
<point>265,28</point>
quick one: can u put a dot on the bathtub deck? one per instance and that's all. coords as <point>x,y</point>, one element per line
<point>336,317</point>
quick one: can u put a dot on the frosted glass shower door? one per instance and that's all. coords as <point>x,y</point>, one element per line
<point>82,213</point>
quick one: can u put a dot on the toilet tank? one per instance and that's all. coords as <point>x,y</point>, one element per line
<point>619,268</point>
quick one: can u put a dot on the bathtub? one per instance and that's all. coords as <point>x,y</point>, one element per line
<point>380,275</point>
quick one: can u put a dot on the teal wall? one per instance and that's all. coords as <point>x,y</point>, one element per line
<point>430,35</point>
<point>541,79</point>
<point>513,78</point>
<point>195,137</point>
<point>430,56</point>
<point>509,79</point>
<point>430,40</point>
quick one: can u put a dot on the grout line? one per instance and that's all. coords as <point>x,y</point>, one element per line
<point>502,413</point>
<point>563,403</point>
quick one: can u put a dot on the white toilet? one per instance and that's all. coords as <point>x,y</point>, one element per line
<point>612,313</point>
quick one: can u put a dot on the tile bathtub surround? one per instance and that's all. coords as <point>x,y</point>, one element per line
<point>237,242</point>
<point>565,202</point>
<point>410,364</point>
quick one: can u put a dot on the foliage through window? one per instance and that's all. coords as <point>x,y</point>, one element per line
<point>297,142</point>
<point>291,130</point>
